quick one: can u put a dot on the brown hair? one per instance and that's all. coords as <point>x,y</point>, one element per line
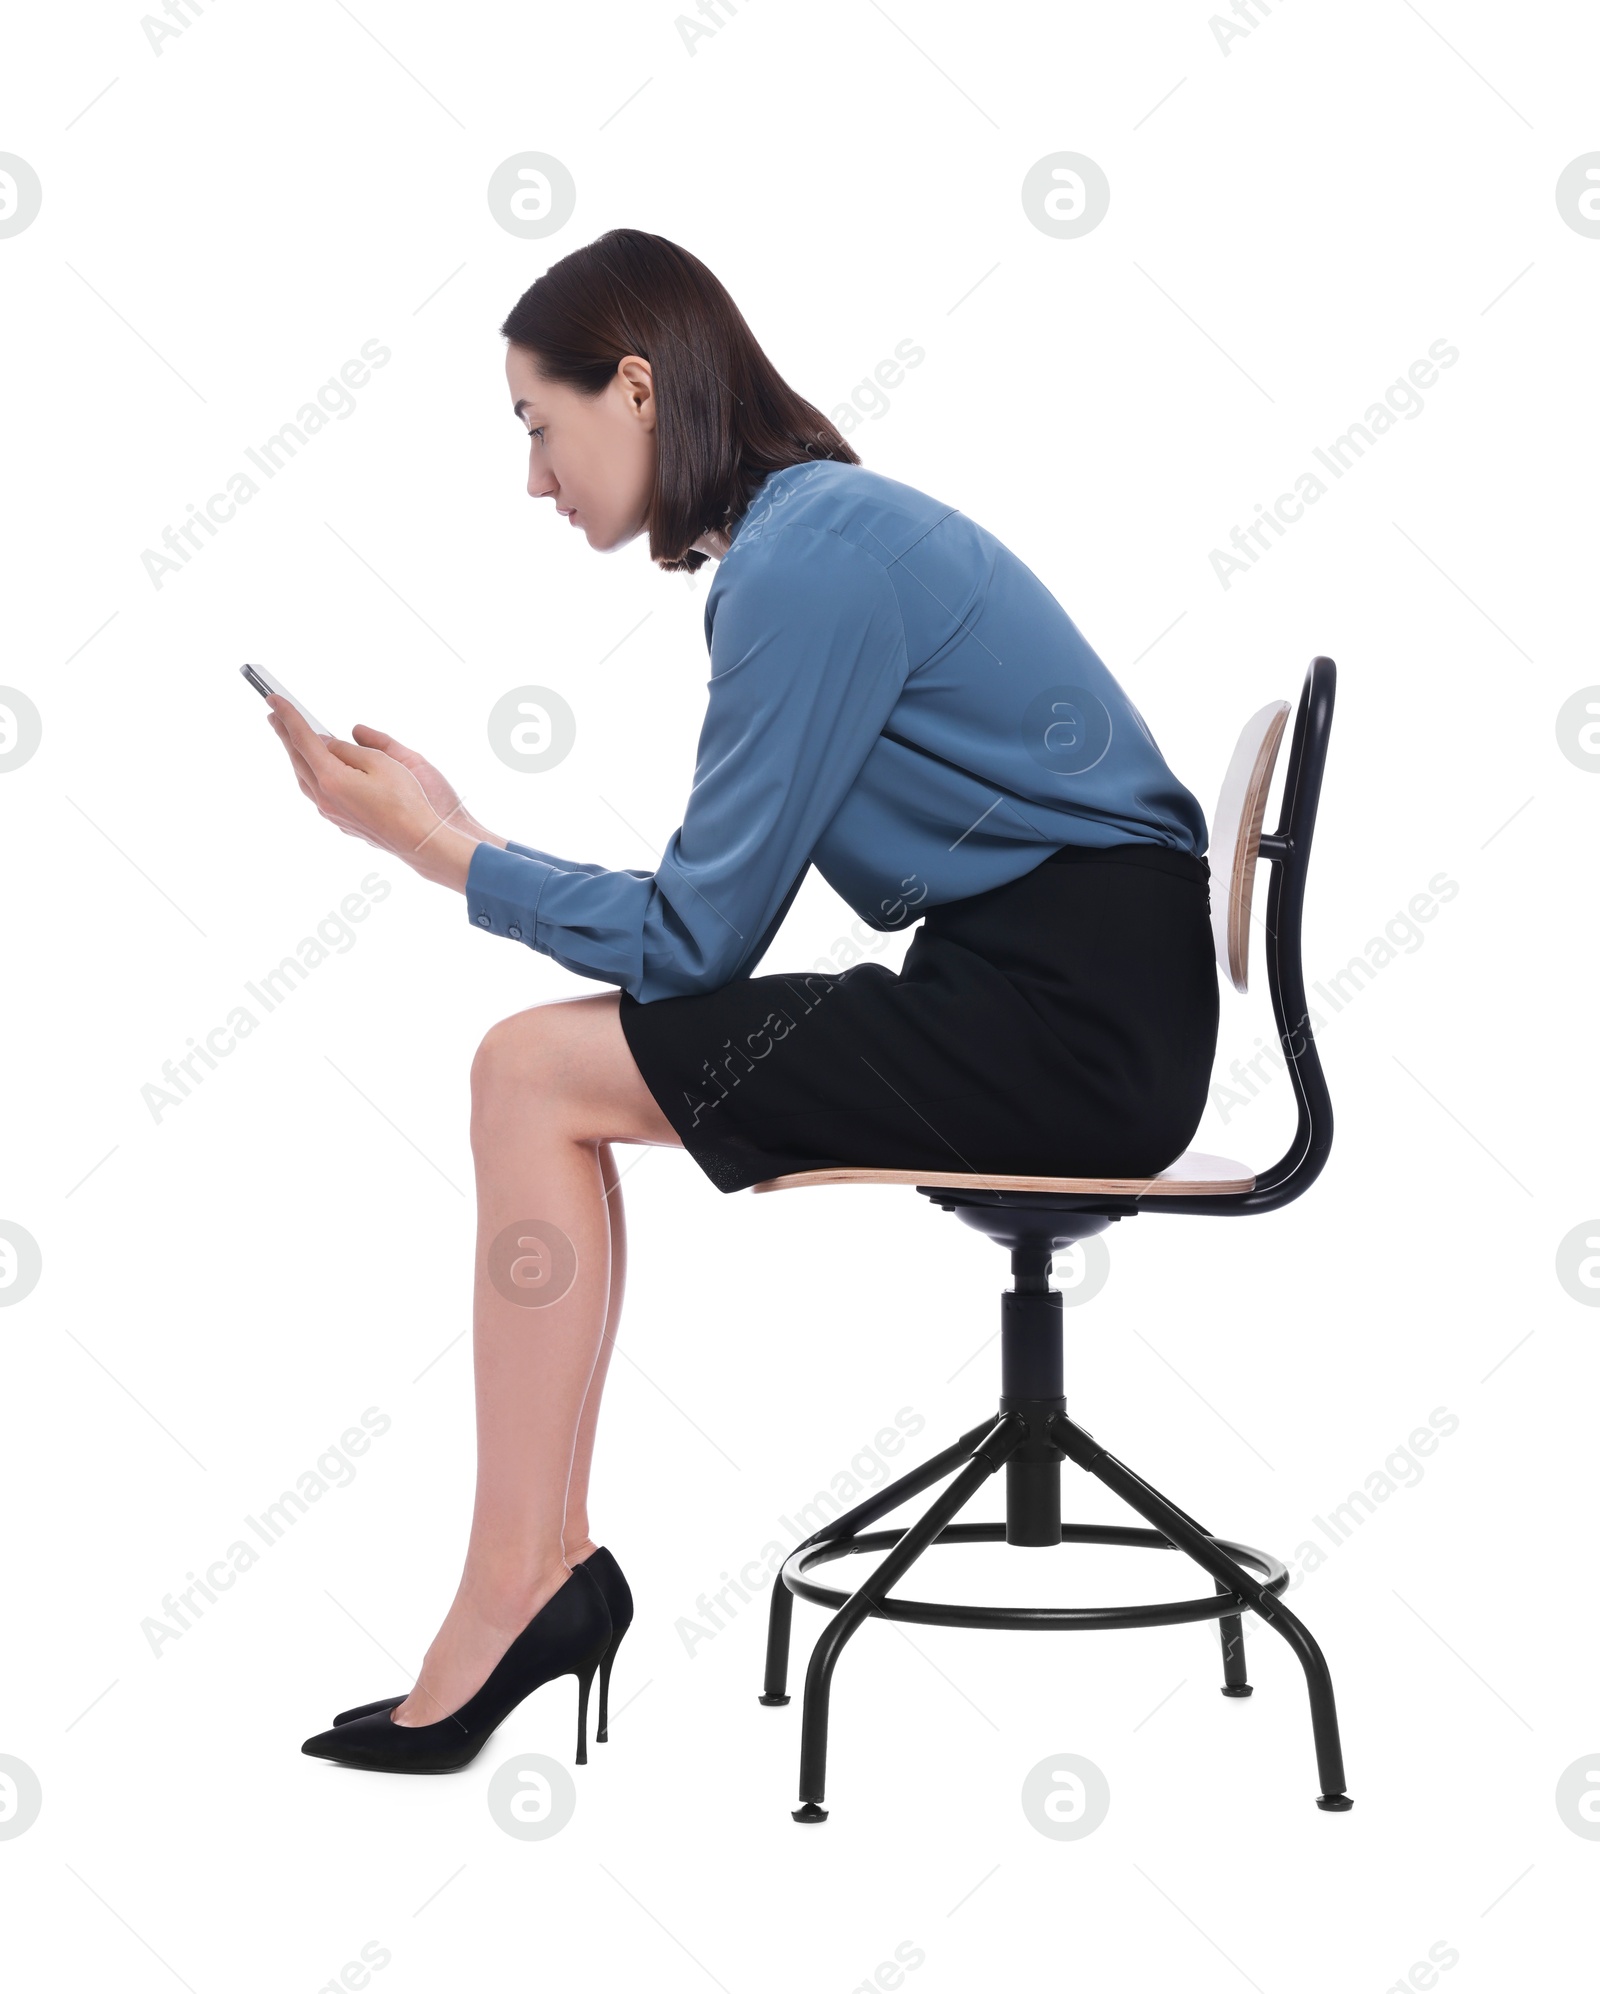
<point>726,417</point>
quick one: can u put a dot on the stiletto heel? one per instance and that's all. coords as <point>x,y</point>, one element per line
<point>605,1687</point>
<point>585,1677</point>
<point>567,1636</point>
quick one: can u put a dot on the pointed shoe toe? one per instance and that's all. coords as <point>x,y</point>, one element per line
<point>376,1743</point>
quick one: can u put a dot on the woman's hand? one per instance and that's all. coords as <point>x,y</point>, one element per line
<point>387,794</point>
<point>435,786</point>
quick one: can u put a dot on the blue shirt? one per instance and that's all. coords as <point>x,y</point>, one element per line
<point>896,699</point>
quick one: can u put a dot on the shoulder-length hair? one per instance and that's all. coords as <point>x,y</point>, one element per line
<point>725,419</point>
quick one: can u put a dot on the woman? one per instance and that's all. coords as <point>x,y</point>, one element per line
<point>894,698</point>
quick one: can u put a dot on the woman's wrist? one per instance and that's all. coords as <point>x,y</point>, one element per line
<point>463,820</point>
<point>445,855</point>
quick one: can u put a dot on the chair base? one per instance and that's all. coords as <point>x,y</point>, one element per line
<point>978,1454</point>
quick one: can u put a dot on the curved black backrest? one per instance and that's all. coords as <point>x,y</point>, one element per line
<point>1288,850</point>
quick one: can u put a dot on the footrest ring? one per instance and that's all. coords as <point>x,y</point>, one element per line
<point>936,1613</point>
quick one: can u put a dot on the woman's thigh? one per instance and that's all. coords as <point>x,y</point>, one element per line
<point>572,1057</point>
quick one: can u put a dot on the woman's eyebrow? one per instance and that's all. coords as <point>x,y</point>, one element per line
<point>518,407</point>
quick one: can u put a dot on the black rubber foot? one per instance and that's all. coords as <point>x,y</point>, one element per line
<point>810,1812</point>
<point>770,1700</point>
<point>1335,1803</point>
<point>601,1738</point>
<point>1238,1689</point>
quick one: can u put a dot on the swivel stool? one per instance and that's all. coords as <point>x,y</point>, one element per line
<point>1031,1433</point>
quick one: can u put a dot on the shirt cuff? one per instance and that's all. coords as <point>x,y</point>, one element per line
<point>503,889</point>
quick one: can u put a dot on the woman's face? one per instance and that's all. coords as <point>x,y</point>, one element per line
<point>594,457</point>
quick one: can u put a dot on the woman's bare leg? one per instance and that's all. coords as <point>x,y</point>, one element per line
<point>575,1539</point>
<point>550,1086</point>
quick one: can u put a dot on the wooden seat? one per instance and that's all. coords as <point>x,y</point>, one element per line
<point>1194,1174</point>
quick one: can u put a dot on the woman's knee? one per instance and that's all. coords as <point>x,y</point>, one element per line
<point>518,1058</point>
<point>566,1068</point>
<point>553,1060</point>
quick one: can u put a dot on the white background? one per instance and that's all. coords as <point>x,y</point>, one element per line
<point>1292,224</point>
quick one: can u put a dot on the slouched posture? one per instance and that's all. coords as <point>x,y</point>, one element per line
<point>896,699</point>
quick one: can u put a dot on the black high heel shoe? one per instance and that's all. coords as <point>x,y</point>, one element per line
<point>569,1635</point>
<point>607,1574</point>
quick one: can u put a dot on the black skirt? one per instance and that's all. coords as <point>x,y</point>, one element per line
<point>1063,1024</point>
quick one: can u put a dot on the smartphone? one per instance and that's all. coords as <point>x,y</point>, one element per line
<point>264,683</point>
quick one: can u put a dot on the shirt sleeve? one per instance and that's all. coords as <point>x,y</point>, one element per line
<point>808,657</point>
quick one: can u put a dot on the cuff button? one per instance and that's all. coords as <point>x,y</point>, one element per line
<point>483,920</point>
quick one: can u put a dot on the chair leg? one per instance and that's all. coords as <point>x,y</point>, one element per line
<point>1235,1675</point>
<point>1002,1437</point>
<point>1186,1535</point>
<point>1235,1678</point>
<point>780,1612</point>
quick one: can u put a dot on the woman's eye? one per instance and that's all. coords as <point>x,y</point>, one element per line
<point>536,432</point>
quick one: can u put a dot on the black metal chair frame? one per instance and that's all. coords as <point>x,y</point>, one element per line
<point>1031,1434</point>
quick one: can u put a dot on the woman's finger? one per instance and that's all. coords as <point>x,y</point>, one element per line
<point>303,738</point>
<point>298,762</point>
<point>309,787</point>
<point>386,744</point>
<point>351,755</point>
